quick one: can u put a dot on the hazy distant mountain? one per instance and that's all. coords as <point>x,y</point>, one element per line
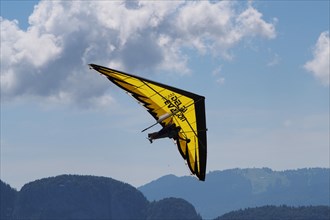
<point>87,197</point>
<point>225,191</point>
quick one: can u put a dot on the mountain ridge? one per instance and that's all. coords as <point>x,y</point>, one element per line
<point>86,197</point>
<point>71,196</point>
<point>232,189</point>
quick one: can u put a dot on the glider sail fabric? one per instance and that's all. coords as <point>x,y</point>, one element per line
<point>170,105</point>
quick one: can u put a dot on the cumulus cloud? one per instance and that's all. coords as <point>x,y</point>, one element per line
<point>250,22</point>
<point>319,66</point>
<point>49,59</point>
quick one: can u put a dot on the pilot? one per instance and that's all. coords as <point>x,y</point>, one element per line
<point>170,131</point>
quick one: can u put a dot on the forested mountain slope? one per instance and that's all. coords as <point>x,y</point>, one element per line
<point>86,197</point>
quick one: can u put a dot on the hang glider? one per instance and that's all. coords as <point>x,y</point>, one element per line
<point>180,111</point>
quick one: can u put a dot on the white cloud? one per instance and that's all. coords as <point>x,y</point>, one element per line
<point>275,60</point>
<point>250,23</point>
<point>49,60</point>
<point>221,80</point>
<point>32,46</point>
<point>217,73</point>
<point>217,27</point>
<point>319,66</point>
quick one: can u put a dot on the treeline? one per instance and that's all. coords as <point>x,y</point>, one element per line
<point>8,197</point>
<point>279,213</point>
<point>87,197</point>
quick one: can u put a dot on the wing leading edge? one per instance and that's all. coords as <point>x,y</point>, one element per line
<point>187,110</point>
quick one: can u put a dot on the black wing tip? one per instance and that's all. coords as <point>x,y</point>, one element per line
<point>201,177</point>
<point>93,66</point>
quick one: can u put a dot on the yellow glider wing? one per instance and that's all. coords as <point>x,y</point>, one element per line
<point>170,105</point>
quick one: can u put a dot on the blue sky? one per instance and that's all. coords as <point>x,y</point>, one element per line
<point>263,67</point>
